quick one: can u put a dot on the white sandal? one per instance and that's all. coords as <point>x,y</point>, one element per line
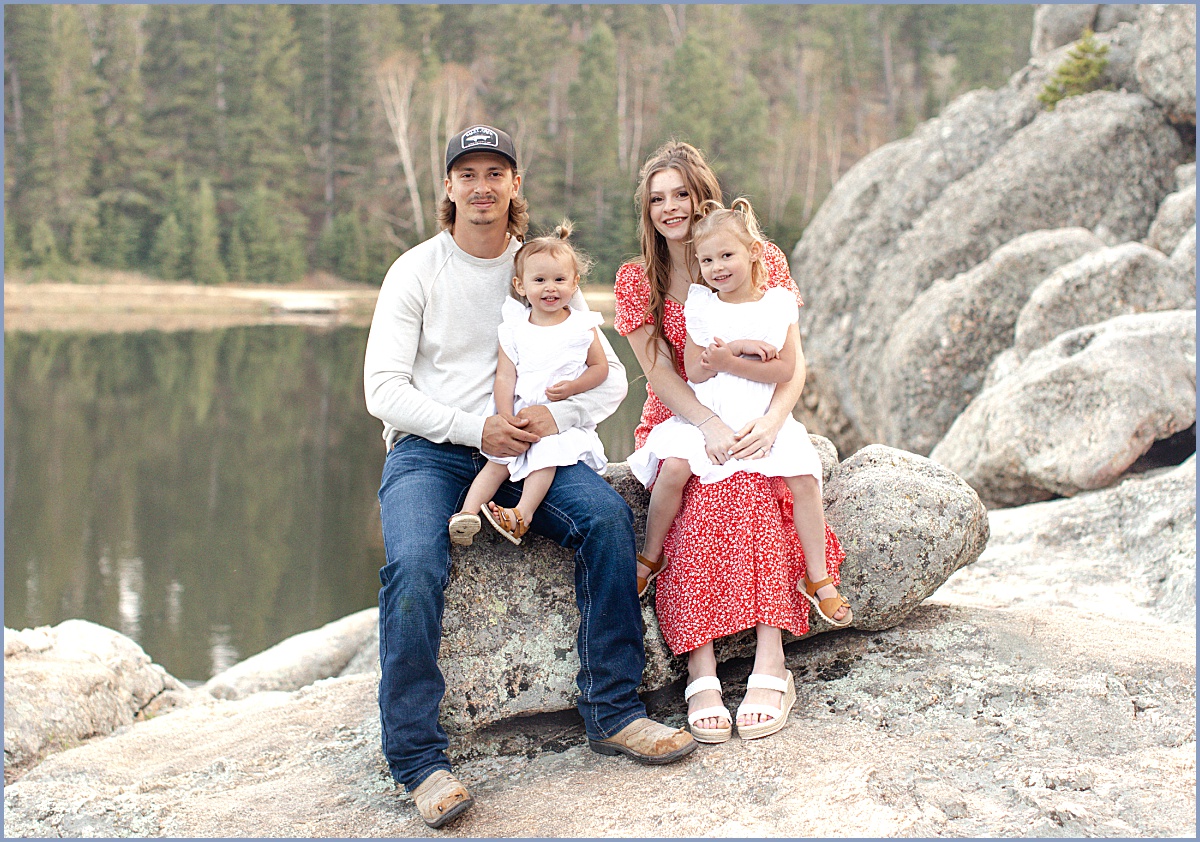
<point>778,715</point>
<point>708,735</point>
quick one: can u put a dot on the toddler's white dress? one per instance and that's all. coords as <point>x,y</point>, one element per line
<point>544,356</point>
<point>736,400</point>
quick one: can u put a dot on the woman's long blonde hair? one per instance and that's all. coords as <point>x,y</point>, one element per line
<point>739,220</point>
<point>701,183</point>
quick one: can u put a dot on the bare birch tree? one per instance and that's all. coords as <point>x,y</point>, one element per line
<point>395,79</point>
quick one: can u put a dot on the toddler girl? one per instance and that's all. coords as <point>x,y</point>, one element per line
<point>742,340</point>
<point>548,352</point>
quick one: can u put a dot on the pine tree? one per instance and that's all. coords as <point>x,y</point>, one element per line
<point>167,254</point>
<point>265,144</point>
<point>14,255</point>
<point>205,259</point>
<point>1081,73</point>
<point>272,254</point>
<point>349,250</point>
<point>599,188</point>
<point>186,96</point>
<point>54,129</point>
<point>333,101</point>
<point>83,237</point>
<point>42,245</point>
<point>124,178</point>
<point>236,256</point>
<point>116,240</point>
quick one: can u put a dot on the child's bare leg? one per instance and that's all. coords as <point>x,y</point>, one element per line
<point>487,482</point>
<point>702,661</point>
<point>533,491</point>
<point>665,499</point>
<point>808,514</point>
<point>768,660</point>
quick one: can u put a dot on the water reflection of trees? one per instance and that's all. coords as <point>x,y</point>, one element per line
<point>207,493</point>
<point>170,485</point>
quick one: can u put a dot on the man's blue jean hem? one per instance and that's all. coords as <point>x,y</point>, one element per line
<point>423,484</point>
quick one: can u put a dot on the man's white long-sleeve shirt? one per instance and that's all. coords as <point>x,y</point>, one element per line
<point>431,353</point>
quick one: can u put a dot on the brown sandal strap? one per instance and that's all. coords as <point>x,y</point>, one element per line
<point>813,587</point>
<point>653,566</point>
<point>518,527</point>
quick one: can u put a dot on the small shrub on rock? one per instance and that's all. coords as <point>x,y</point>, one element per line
<point>1079,74</point>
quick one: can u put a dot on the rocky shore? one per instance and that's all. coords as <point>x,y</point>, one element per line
<point>1013,388</point>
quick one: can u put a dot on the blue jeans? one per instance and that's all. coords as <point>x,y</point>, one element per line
<point>423,484</point>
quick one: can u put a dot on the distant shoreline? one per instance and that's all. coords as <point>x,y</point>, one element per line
<point>123,302</point>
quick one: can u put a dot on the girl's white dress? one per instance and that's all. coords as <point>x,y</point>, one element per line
<point>736,400</point>
<point>544,356</point>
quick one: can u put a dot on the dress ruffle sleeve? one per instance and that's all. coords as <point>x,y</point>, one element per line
<point>783,304</point>
<point>512,314</point>
<point>632,292</point>
<point>695,313</point>
<point>582,324</point>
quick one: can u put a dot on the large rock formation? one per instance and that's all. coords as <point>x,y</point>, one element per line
<point>508,646</point>
<point>1047,689</point>
<point>1058,24</point>
<point>940,349</point>
<point>76,681</point>
<point>300,660</point>
<point>1166,58</point>
<point>991,168</point>
<point>1077,414</point>
<point>1043,720</point>
<point>1130,278</point>
<point>1137,538</point>
<point>1176,216</point>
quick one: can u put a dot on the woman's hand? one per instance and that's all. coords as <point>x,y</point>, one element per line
<point>718,440</point>
<point>755,440</point>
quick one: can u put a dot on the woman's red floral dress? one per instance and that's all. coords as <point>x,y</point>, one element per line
<point>734,555</point>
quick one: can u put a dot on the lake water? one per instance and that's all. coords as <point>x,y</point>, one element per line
<point>206,493</point>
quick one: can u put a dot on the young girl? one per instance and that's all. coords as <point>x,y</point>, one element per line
<point>742,340</point>
<point>548,352</point>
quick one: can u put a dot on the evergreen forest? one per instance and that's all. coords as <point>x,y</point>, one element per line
<point>259,143</point>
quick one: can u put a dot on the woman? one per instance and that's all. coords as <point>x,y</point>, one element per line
<point>722,575</point>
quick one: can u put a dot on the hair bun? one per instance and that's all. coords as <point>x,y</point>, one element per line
<point>709,206</point>
<point>563,230</point>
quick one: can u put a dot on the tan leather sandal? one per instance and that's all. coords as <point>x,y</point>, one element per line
<point>829,606</point>
<point>508,522</point>
<point>441,799</point>
<point>656,567</point>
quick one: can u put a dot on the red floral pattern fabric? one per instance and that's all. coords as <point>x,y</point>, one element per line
<point>734,555</point>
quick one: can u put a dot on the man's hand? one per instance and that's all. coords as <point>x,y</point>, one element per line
<point>506,435</point>
<point>561,390</point>
<point>538,420</point>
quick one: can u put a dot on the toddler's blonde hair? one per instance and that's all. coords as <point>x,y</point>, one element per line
<point>738,219</point>
<point>555,244</point>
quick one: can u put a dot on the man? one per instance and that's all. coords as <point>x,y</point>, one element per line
<point>430,361</point>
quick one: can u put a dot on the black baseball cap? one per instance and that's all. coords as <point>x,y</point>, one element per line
<point>480,139</point>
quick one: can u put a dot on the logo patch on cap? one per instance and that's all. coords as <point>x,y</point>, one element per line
<point>480,136</point>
